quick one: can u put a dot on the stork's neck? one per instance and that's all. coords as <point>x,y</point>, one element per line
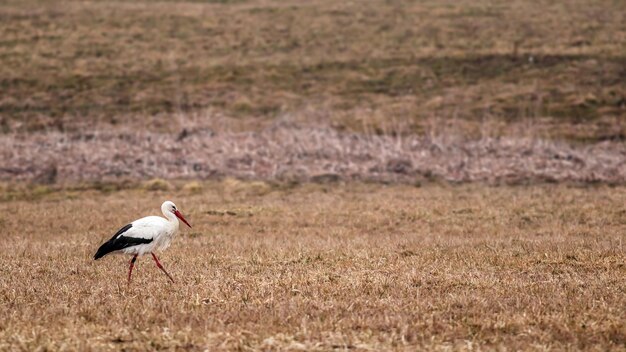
<point>171,217</point>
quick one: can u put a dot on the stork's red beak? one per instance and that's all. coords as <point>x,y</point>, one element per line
<point>180,216</point>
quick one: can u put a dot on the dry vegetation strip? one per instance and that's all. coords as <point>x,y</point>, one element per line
<point>67,64</point>
<point>291,153</point>
<point>322,268</point>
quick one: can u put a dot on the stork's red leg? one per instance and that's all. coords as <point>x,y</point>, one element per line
<point>130,269</point>
<point>156,260</point>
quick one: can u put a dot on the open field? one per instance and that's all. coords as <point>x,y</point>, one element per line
<point>369,66</point>
<point>361,175</point>
<point>316,267</point>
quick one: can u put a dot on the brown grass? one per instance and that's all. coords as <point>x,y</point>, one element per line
<point>355,266</point>
<point>362,66</point>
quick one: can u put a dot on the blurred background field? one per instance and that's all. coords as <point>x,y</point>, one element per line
<point>490,91</point>
<point>368,66</point>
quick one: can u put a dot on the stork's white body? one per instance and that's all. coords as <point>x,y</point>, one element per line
<point>160,230</point>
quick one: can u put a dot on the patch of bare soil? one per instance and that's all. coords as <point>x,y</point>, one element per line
<point>291,152</point>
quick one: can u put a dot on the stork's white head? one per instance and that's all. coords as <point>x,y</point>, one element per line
<point>169,207</point>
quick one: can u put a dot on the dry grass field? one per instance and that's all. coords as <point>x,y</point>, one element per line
<point>321,267</point>
<point>361,175</point>
<point>369,66</point>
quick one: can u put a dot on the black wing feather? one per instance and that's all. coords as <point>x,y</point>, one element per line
<point>121,231</point>
<point>119,241</point>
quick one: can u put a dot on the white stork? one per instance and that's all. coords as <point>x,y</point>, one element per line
<point>145,235</point>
